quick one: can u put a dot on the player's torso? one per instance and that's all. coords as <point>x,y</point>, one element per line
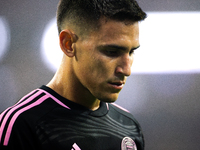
<point>66,130</point>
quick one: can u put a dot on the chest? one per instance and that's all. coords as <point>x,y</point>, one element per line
<point>84,132</point>
<point>75,132</point>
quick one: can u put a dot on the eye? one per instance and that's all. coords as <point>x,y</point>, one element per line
<point>131,52</point>
<point>111,52</point>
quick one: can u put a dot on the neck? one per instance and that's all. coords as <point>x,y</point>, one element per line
<point>68,86</point>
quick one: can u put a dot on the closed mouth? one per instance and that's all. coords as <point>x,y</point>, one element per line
<point>117,84</point>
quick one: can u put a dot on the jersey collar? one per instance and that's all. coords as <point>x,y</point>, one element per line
<point>101,111</point>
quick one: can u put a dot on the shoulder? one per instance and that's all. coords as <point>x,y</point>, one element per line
<point>24,114</point>
<point>119,113</point>
<point>120,109</point>
<point>128,121</point>
<point>11,118</point>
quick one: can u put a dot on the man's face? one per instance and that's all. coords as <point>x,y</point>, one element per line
<point>103,59</point>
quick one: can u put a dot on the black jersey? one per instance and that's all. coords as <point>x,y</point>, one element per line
<point>44,120</point>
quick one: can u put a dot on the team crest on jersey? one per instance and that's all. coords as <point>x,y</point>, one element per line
<point>128,144</point>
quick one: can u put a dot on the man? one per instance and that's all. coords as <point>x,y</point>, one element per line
<point>73,111</point>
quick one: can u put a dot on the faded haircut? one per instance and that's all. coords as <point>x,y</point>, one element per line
<point>86,13</point>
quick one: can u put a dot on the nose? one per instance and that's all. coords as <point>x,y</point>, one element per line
<point>124,65</point>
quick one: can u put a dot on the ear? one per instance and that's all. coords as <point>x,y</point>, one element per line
<point>66,39</point>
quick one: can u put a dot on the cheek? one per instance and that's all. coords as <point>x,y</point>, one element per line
<point>97,70</point>
<point>102,68</point>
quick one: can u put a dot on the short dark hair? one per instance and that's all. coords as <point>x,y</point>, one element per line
<point>86,13</point>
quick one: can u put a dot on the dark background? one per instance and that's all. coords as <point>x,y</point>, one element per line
<point>166,105</point>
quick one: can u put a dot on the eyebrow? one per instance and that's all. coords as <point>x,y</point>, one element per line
<point>117,47</point>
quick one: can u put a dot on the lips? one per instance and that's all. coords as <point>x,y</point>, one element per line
<point>117,84</point>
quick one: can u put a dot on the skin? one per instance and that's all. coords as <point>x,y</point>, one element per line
<point>95,67</point>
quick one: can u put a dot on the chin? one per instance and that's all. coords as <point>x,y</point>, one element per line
<point>110,99</point>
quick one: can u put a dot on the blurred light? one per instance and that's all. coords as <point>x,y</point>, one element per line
<point>170,43</point>
<point>4,36</point>
<point>51,51</point>
<point>8,86</point>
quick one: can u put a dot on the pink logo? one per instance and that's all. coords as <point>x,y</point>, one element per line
<point>128,144</point>
<point>75,147</point>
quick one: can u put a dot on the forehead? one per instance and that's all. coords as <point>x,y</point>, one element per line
<point>112,32</point>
